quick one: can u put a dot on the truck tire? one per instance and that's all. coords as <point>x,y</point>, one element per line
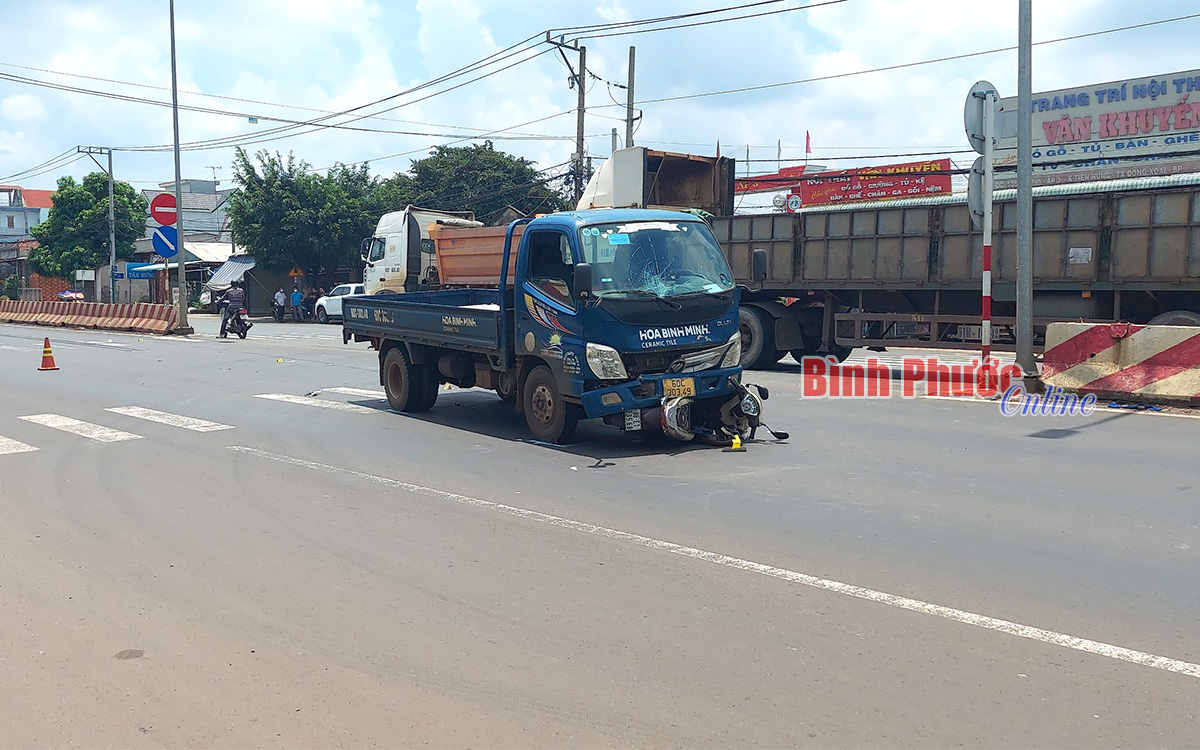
<point>507,387</point>
<point>550,418</point>
<point>758,338</point>
<point>401,381</point>
<point>1176,318</point>
<point>840,353</point>
<point>425,388</point>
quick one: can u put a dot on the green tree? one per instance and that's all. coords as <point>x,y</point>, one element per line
<point>75,234</point>
<point>481,179</point>
<point>9,288</point>
<point>287,215</point>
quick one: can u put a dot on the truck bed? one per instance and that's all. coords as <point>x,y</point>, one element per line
<point>461,319</point>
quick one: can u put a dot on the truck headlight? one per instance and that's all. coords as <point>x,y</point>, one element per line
<point>733,355</point>
<point>605,362</point>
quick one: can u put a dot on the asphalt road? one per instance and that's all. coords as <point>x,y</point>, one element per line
<point>304,568</point>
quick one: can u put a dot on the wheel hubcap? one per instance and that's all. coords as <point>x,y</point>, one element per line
<point>393,380</point>
<point>543,404</point>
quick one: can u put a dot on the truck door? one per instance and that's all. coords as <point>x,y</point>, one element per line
<point>547,324</point>
<point>374,251</point>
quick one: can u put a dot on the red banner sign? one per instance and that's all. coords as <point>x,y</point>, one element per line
<point>877,183</point>
<point>784,179</point>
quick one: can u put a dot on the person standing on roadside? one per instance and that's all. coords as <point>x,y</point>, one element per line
<point>297,305</point>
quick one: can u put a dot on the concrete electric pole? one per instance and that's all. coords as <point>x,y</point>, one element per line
<point>112,215</point>
<point>182,253</point>
<point>1025,195</point>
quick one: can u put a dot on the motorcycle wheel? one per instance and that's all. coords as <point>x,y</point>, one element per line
<point>242,331</point>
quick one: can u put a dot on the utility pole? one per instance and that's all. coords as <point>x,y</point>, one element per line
<point>182,253</point>
<point>629,100</point>
<point>112,220</point>
<point>579,81</point>
<point>614,140</point>
<point>214,171</point>
<point>581,84</point>
<point>1025,197</point>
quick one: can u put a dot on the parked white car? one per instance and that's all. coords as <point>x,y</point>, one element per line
<point>330,306</point>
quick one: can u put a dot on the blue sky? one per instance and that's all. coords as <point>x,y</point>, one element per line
<point>335,54</point>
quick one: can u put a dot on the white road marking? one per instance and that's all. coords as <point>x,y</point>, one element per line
<point>306,401</point>
<point>915,605</point>
<point>83,429</point>
<point>174,420</point>
<point>8,445</point>
<point>357,392</point>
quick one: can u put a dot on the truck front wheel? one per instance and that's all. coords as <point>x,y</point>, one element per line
<point>550,418</point>
<point>402,381</point>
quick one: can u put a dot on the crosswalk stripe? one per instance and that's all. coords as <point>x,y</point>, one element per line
<point>8,445</point>
<point>306,401</point>
<point>357,392</point>
<point>174,420</point>
<point>88,430</point>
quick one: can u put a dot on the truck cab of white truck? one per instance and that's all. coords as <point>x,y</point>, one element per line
<point>399,256</point>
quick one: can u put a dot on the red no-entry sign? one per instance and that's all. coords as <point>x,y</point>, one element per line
<point>162,209</point>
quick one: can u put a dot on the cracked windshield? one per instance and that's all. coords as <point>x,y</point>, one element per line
<point>660,258</point>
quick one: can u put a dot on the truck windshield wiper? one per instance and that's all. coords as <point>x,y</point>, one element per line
<point>639,293</point>
<point>721,295</point>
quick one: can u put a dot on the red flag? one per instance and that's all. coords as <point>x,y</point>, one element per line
<point>807,143</point>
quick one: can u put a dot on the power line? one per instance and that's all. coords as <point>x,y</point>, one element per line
<point>716,20</point>
<point>901,66</point>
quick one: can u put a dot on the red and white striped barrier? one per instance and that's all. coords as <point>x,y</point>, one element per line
<point>138,316</point>
<point>1123,360</point>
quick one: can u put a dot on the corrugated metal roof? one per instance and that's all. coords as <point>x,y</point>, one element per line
<point>1076,188</point>
<point>37,198</point>
<point>195,201</point>
<point>233,270</point>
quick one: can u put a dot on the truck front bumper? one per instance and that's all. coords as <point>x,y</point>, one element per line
<point>647,391</point>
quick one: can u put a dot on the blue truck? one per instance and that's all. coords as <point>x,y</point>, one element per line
<point>625,315</point>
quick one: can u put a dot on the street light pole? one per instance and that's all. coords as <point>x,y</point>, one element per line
<point>181,253</point>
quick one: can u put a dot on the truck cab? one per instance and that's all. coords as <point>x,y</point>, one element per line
<point>399,256</point>
<point>626,308</point>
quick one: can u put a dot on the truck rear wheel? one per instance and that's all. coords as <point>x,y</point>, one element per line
<point>758,338</point>
<point>550,418</point>
<point>1176,318</point>
<point>402,381</point>
<point>425,387</point>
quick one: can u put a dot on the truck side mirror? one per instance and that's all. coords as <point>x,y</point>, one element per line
<point>583,280</point>
<point>364,248</point>
<point>758,263</point>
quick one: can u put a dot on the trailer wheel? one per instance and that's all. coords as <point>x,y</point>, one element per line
<point>758,338</point>
<point>550,418</point>
<point>840,353</point>
<point>1176,318</point>
<point>425,387</point>
<point>401,381</point>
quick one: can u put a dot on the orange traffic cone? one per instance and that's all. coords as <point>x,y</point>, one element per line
<point>47,357</point>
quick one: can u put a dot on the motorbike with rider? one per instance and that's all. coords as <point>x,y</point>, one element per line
<point>233,311</point>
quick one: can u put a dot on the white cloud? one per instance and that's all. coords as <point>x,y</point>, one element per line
<point>339,54</point>
<point>22,108</point>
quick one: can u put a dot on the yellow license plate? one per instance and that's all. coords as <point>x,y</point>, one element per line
<point>677,387</point>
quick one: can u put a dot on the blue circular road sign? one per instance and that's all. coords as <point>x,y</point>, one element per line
<point>165,241</point>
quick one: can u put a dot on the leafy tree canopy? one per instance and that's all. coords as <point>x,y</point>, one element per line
<point>75,234</point>
<point>481,179</point>
<point>286,214</point>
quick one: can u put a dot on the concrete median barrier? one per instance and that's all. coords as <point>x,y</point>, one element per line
<point>1124,361</point>
<point>139,316</point>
